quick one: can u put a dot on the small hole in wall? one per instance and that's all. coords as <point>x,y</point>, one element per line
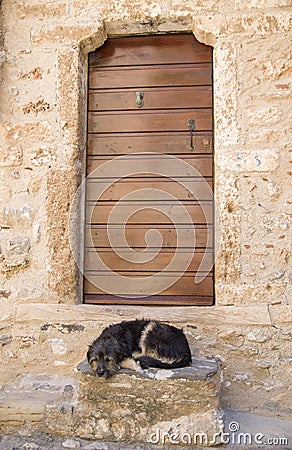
<point>230,207</point>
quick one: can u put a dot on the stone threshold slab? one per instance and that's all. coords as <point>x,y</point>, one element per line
<point>223,315</point>
<point>200,370</point>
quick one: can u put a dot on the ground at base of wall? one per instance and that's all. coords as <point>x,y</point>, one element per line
<point>278,432</point>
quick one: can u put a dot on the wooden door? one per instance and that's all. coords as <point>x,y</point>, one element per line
<point>151,95</point>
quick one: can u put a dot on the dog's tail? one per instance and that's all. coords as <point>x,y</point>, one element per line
<point>148,361</point>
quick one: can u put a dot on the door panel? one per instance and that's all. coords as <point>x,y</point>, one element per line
<point>150,76</point>
<point>132,121</point>
<point>164,142</point>
<point>151,50</point>
<point>96,236</point>
<point>183,189</point>
<point>122,262</point>
<point>120,100</point>
<point>183,286</point>
<point>143,92</point>
<point>150,213</point>
<point>152,165</point>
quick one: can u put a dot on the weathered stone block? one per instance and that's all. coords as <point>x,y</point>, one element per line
<point>29,141</point>
<point>249,294</point>
<point>225,101</point>
<point>29,132</point>
<point>36,107</point>
<point>5,339</point>
<point>61,187</point>
<point>39,9</point>
<point>18,246</point>
<point>44,155</point>
<point>136,405</point>
<point>64,33</point>
<point>10,154</point>
<point>20,217</point>
<point>16,254</point>
<point>61,418</point>
<point>6,308</point>
<point>93,389</point>
<point>280,314</point>
<point>22,402</point>
<point>68,94</point>
<point>88,314</point>
<point>255,23</point>
<point>227,229</point>
<point>5,192</point>
<point>252,160</point>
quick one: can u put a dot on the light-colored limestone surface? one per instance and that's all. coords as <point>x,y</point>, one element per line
<point>185,403</point>
<point>43,90</point>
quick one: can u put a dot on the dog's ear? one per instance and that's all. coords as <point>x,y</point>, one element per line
<point>91,359</point>
<point>88,354</point>
<point>93,363</point>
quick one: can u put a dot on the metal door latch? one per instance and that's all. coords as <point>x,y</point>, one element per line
<point>191,125</point>
<point>139,99</point>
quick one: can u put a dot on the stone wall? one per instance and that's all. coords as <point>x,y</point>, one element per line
<point>43,82</point>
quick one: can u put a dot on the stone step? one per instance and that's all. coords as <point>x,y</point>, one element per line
<point>23,401</point>
<point>179,406</point>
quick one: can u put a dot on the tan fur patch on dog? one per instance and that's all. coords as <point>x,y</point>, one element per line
<point>130,364</point>
<point>146,330</point>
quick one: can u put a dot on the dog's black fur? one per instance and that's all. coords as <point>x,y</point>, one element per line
<point>147,343</point>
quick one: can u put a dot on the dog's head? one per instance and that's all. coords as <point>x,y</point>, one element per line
<point>103,357</point>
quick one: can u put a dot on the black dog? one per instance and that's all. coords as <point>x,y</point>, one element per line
<point>142,343</point>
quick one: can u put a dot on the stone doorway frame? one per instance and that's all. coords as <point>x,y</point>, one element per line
<point>72,77</point>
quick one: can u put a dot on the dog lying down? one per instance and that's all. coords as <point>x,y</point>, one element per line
<point>136,345</point>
